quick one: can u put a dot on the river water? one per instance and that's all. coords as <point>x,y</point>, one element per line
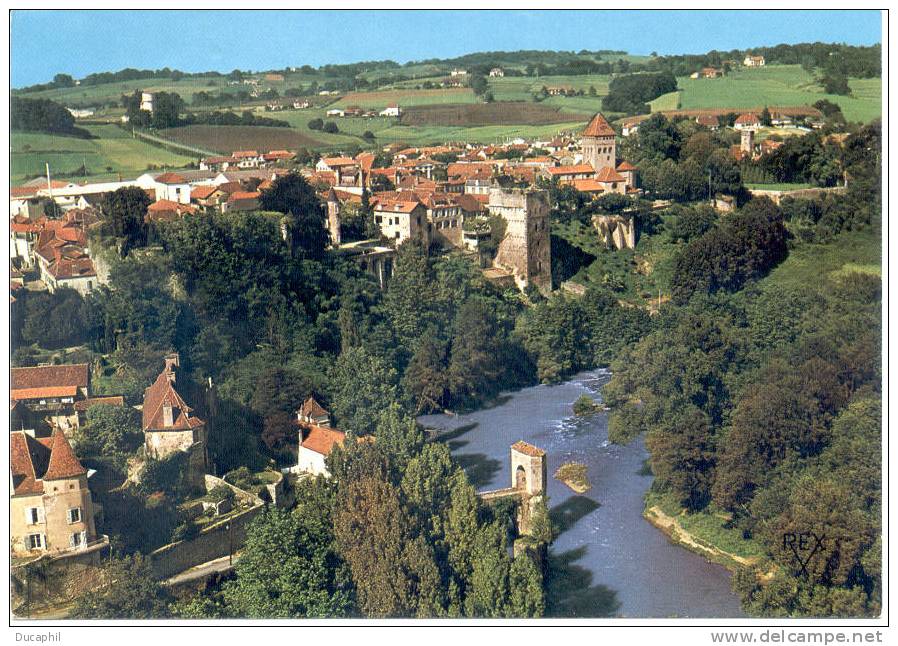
<point>607,561</point>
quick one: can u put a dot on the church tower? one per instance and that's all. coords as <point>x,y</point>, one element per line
<point>599,144</point>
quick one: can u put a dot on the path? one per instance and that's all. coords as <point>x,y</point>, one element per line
<point>201,571</point>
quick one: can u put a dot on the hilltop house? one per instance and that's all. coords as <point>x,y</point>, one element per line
<point>754,61</point>
<point>311,412</point>
<point>497,72</point>
<point>51,508</point>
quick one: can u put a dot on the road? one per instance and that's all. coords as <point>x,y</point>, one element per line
<point>201,571</point>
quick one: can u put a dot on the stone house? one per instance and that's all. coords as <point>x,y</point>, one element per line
<point>48,395</point>
<point>401,218</point>
<point>311,412</point>
<point>169,425</point>
<point>51,508</point>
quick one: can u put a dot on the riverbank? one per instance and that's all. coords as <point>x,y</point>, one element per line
<point>702,533</point>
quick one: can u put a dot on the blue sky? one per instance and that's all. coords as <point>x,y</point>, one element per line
<point>95,41</point>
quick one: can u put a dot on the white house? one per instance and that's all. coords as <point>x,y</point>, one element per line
<point>315,444</point>
<point>458,72</point>
<point>392,110</point>
<point>173,187</point>
<point>497,71</point>
<point>335,112</point>
<point>754,61</point>
<point>146,101</point>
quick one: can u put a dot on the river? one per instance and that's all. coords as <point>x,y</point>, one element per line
<point>607,560</point>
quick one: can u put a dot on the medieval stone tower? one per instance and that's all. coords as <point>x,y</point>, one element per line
<point>528,477</point>
<point>599,144</point>
<point>333,218</point>
<point>525,247</point>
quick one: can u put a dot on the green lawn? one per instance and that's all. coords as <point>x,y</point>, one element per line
<point>108,92</point>
<point>778,85</point>
<point>115,150</point>
<point>707,527</point>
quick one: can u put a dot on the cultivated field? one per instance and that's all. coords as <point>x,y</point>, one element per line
<point>226,139</point>
<point>485,114</point>
<point>522,88</point>
<point>114,152</point>
<point>406,97</point>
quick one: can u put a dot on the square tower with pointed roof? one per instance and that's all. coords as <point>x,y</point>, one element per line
<point>599,144</point>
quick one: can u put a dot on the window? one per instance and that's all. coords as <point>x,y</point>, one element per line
<point>34,541</point>
<point>78,539</point>
<point>34,515</point>
<point>75,515</point>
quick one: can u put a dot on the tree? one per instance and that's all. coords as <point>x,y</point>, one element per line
<point>368,136</point>
<point>293,196</point>
<point>111,432</point>
<point>129,591</point>
<point>167,109</point>
<point>286,570</point>
<point>425,381</point>
<point>526,593</point>
<point>60,319</point>
<point>765,117</point>
<point>372,532</point>
<point>363,385</point>
<point>474,366</point>
<point>315,124</point>
<point>330,127</point>
<point>125,211</point>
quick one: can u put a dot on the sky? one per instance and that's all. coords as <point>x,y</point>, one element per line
<point>222,40</point>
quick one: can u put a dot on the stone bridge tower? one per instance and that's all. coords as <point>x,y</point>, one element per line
<point>333,218</point>
<point>529,475</point>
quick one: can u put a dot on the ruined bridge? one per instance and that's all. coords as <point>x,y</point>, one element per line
<point>528,483</point>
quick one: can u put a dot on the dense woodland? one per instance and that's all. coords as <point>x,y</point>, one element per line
<point>765,401</point>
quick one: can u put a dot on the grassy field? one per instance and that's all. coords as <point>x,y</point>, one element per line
<point>782,85</point>
<point>522,88</point>
<point>669,101</point>
<point>114,152</point>
<point>485,114</point>
<point>89,95</point>
<point>809,265</point>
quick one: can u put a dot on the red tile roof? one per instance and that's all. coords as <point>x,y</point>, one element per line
<point>588,185</point>
<point>332,162</point>
<point>202,192</point>
<point>170,178</point>
<point>747,118</point>
<point>608,174</point>
<point>625,165</point>
<point>155,397</point>
<point>243,195</point>
<point>311,408</point>
<point>75,375</point>
<point>579,169</point>
<point>598,127</point>
<point>397,206</point>
<point>321,440</point>
<point>63,461</point>
<point>527,449</point>
<point>33,460</point>
<point>21,394</point>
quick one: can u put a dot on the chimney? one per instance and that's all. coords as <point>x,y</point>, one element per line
<point>168,418</point>
<point>172,361</point>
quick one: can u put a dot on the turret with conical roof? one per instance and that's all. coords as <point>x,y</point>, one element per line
<point>599,144</point>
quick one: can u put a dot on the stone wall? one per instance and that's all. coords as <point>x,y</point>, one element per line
<point>803,193</point>
<point>220,539</point>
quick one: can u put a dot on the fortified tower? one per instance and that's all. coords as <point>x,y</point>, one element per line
<point>747,145</point>
<point>525,247</point>
<point>599,144</point>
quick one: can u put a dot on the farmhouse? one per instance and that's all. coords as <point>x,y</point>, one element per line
<point>311,412</point>
<point>392,110</point>
<point>497,72</point>
<point>748,120</point>
<point>754,61</point>
<point>709,121</point>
